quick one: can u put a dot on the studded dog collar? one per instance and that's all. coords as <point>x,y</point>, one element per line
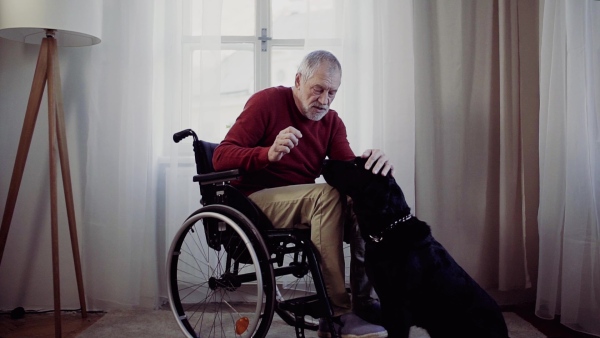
<point>379,236</point>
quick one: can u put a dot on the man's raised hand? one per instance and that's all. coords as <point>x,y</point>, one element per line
<point>285,141</point>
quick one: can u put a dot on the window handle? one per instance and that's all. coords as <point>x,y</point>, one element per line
<point>264,38</point>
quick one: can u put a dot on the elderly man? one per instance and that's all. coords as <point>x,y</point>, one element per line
<point>280,141</point>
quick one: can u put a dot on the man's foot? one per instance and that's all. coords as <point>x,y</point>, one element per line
<point>371,312</point>
<point>350,325</point>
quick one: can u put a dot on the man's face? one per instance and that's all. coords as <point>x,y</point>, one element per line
<point>314,95</point>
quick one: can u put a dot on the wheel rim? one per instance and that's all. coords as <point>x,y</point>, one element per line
<point>205,299</point>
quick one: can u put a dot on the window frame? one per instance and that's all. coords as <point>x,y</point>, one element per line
<point>262,58</point>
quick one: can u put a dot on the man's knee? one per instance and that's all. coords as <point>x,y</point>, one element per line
<point>331,197</point>
<point>327,190</point>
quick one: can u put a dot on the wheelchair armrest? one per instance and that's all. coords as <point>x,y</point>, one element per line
<point>217,177</point>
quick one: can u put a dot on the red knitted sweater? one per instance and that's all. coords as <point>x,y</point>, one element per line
<point>247,143</point>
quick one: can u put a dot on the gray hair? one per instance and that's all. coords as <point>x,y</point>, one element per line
<point>314,59</point>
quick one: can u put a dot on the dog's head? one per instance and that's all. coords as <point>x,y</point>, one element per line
<point>377,200</point>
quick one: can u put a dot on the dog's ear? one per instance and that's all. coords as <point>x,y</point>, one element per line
<point>375,194</point>
<point>382,196</point>
<point>340,175</point>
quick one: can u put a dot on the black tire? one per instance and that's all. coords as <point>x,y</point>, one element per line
<point>219,275</point>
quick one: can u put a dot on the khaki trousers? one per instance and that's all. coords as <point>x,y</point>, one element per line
<point>320,207</point>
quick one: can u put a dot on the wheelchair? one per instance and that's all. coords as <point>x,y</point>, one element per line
<point>229,269</point>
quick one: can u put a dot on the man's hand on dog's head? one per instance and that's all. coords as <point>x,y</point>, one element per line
<point>378,162</point>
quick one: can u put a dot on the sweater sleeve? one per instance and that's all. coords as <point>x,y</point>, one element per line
<point>339,146</point>
<point>241,149</point>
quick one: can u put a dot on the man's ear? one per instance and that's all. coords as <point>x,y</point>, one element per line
<point>297,80</point>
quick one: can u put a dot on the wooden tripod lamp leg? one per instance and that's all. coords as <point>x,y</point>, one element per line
<point>66,176</point>
<point>53,188</point>
<point>33,107</point>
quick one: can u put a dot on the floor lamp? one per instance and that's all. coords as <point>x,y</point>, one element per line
<point>51,23</point>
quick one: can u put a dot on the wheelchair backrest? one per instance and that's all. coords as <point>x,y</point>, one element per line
<point>204,153</point>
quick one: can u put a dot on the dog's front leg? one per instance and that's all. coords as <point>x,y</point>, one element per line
<point>392,291</point>
<point>396,319</point>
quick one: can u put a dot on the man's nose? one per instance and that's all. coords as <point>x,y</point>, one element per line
<point>324,98</point>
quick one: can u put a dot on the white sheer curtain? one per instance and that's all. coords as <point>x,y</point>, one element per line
<point>191,99</point>
<point>139,185</point>
<point>569,213</point>
<point>378,102</point>
<point>119,221</point>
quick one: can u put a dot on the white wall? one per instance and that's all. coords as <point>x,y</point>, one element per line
<point>26,267</point>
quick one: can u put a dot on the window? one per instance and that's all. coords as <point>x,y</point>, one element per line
<point>251,46</point>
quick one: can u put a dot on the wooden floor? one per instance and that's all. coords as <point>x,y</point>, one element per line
<point>37,325</point>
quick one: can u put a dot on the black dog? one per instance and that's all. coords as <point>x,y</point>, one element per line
<point>416,279</point>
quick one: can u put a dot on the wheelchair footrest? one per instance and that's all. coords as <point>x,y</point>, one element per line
<point>309,305</point>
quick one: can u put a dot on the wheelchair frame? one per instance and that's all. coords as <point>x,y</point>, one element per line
<point>223,262</point>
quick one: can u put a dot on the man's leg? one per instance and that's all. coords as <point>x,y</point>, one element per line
<point>365,302</point>
<point>320,207</point>
<point>362,290</point>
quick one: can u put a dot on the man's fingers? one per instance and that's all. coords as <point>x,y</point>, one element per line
<point>276,152</point>
<point>367,155</point>
<point>378,165</point>
<point>388,168</point>
<point>293,139</point>
<point>291,133</point>
<point>373,158</point>
<point>285,141</point>
<point>377,162</point>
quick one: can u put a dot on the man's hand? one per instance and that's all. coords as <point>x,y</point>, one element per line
<point>378,162</point>
<point>285,141</point>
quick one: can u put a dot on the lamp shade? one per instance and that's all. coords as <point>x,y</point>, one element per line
<point>77,22</point>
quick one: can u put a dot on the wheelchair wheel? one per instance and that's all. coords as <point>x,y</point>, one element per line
<point>221,283</point>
